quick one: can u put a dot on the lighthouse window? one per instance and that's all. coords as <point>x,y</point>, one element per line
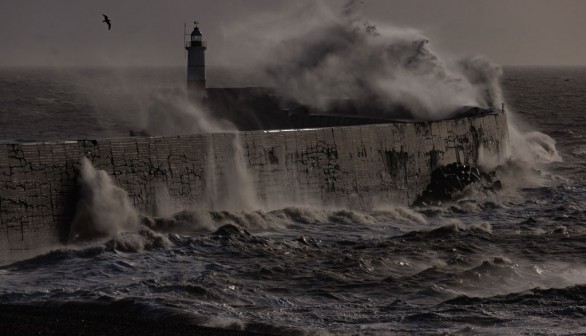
<point>196,38</point>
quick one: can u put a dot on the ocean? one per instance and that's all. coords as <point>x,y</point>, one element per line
<point>506,262</point>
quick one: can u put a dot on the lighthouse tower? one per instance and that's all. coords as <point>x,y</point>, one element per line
<point>196,65</point>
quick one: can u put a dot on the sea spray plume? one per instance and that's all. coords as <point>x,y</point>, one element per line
<point>241,194</point>
<point>526,158</point>
<point>229,182</point>
<point>524,148</point>
<point>103,209</point>
<point>530,146</point>
<point>338,57</point>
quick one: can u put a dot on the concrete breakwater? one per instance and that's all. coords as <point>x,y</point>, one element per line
<point>358,166</point>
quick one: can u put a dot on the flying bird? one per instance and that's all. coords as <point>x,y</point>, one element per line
<point>107,21</point>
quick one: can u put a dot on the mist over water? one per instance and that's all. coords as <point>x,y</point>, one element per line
<point>131,97</point>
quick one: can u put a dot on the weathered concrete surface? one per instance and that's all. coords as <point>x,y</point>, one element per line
<point>357,166</point>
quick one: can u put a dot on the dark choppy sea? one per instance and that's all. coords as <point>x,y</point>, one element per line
<point>504,263</point>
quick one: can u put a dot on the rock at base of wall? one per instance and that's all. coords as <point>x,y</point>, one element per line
<point>449,183</point>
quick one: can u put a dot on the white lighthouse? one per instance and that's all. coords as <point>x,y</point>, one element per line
<point>196,65</point>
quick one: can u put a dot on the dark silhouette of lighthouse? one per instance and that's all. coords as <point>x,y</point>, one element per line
<point>196,65</point>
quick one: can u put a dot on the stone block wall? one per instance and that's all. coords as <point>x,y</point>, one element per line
<point>358,167</point>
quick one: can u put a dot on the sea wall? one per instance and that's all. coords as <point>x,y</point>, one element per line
<point>359,167</point>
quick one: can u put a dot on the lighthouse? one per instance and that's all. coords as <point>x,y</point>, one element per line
<point>196,65</point>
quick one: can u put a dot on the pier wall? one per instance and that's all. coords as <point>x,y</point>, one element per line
<point>358,167</point>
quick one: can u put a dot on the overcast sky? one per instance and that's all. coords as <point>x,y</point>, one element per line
<point>150,32</point>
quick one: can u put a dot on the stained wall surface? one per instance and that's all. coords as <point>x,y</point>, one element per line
<point>358,167</point>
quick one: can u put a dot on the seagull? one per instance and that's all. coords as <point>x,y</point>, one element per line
<point>107,21</point>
